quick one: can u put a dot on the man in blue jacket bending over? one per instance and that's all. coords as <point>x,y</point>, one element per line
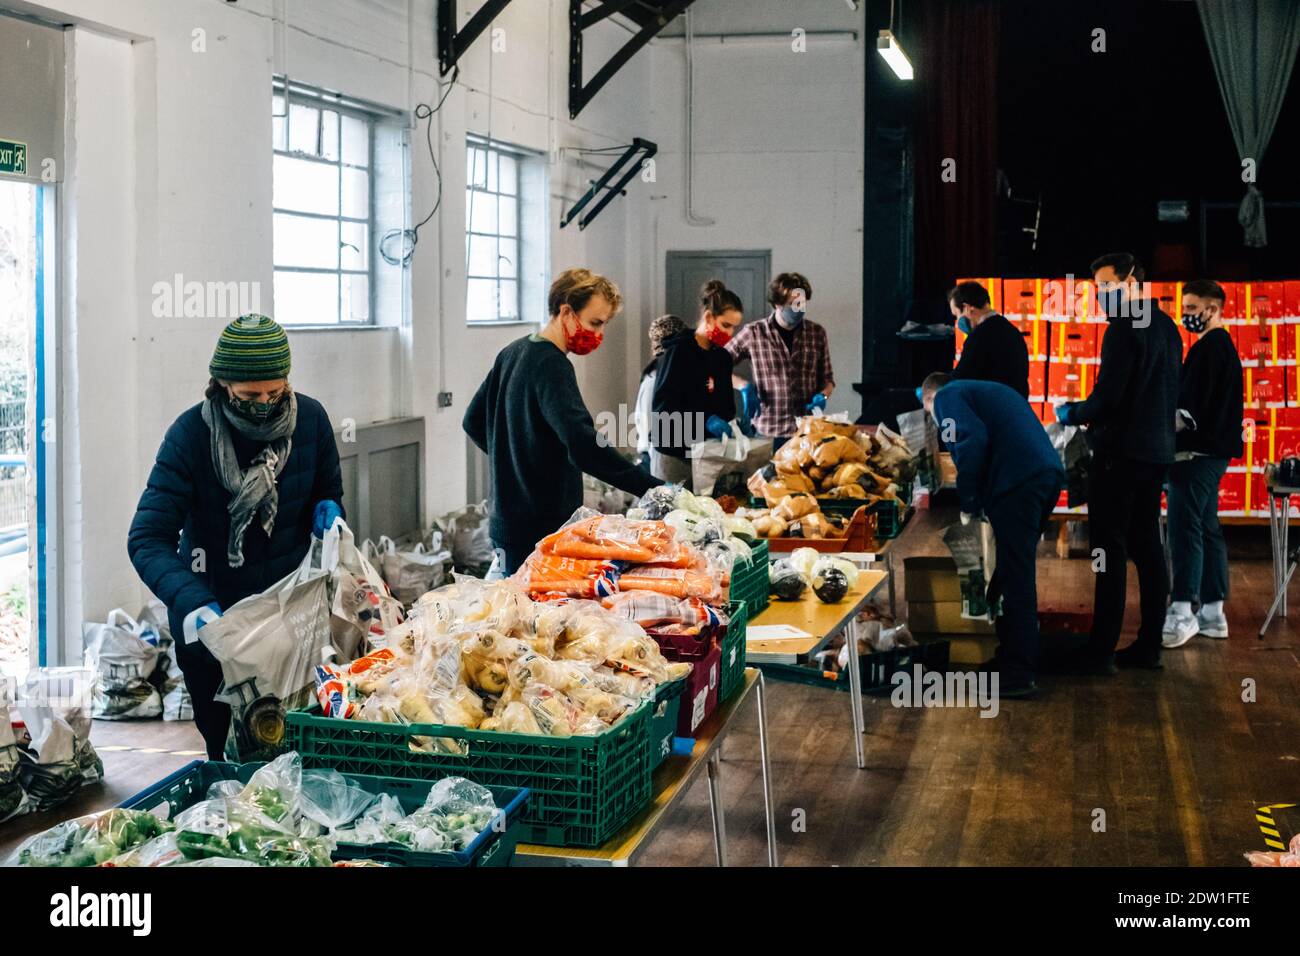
<point>1007,469</point>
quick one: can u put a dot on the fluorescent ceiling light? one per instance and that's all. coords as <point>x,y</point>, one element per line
<point>887,46</point>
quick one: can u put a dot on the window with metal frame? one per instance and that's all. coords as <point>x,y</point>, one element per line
<point>492,231</point>
<point>323,188</point>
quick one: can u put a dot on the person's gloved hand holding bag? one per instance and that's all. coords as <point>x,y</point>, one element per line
<point>717,428</point>
<point>323,517</point>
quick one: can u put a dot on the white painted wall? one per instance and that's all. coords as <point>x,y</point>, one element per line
<point>778,160</point>
<point>168,171</point>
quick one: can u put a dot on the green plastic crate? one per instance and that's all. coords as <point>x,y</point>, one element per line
<point>494,847</point>
<point>749,582</point>
<point>889,514</point>
<point>582,789</point>
<point>733,651</point>
<point>663,725</point>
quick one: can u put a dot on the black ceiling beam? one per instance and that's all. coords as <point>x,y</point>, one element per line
<point>452,44</point>
<point>603,184</point>
<point>579,94</point>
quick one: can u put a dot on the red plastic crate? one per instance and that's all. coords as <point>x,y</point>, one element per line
<point>700,698</point>
<point>1264,386</point>
<point>1232,493</point>
<point>1169,296</point>
<point>1267,300</point>
<point>1254,343</point>
<point>1037,380</point>
<point>1069,381</point>
<point>1073,340</point>
<point>1058,298</point>
<point>1291,298</point>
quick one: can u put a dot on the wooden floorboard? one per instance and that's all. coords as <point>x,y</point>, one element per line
<point>1176,760</point>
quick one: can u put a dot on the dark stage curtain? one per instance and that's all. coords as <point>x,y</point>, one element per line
<point>957,118</point>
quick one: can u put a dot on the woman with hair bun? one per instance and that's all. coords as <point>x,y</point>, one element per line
<point>693,398</point>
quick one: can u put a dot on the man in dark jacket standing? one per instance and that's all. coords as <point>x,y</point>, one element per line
<point>1130,415</point>
<point>1007,469</point>
<point>243,479</point>
<point>994,350</point>
<point>1208,437</point>
<point>530,419</point>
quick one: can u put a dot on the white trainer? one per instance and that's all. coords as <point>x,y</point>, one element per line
<point>1179,628</point>
<point>1211,624</point>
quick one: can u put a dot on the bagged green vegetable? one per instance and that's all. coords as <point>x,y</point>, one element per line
<point>89,840</point>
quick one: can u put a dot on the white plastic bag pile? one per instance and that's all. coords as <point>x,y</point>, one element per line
<point>134,662</point>
<point>45,753</point>
<point>410,572</point>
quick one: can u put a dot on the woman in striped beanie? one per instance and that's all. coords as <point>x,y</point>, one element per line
<point>243,479</point>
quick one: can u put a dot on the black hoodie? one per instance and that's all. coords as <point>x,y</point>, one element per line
<point>1132,407</point>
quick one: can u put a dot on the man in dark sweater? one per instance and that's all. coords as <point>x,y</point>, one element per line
<point>994,350</point>
<point>529,417</point>
<point>1208,437</point>
<point>1130,415</point>
<point>1008,469</point>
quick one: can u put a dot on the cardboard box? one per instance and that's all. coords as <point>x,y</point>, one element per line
<point>1069,381</point>
<point>1234,302</point>
<point>969,648</point>
<point>1073,340</point>
<point>1037,381</point>
<point>1291,299</point>
<point>1264,386</point>
<point>1169,297</point>
<point>1035,333</point>
<point>1058,299</point>
<point>1232,494</point>
<point>1255,343</point>
<point>1021,298</point>
<point>1267,300</point>
<point>1085,302</point>
<point>930,579</point>
<point>943,618</point>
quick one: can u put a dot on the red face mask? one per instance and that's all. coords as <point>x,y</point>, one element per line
<point>718,335</point>
<point>583,341</point>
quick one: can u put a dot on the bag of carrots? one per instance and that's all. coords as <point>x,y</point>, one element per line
<point>574,577</point>
<point>615,538</point>
<point>675,582</point>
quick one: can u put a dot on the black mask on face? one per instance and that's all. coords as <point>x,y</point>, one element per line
<point>1195,322</point>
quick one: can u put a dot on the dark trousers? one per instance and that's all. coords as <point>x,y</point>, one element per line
<point>203,676</point>
<point>1124,524</point>
<point>515,554</point>
<point>1018,519</point>
<point>1195,537</point>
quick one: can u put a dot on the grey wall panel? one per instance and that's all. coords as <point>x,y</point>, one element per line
<point>31,92</point>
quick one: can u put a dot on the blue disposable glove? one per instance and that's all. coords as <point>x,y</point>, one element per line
<point>201,619</point>
<point>749,401</point>
<point>747,428</point>
<point>918,395</point>
<point>323,518</point>
<point>716,427</point>
<point>818,401</point>
<point>1065,413</point>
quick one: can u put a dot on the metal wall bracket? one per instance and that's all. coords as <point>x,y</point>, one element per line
<point>657,16</point>
<point>603,184</point>
<point>452,44</point>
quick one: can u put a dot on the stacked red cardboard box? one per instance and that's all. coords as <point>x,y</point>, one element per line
<point>1064,329</point>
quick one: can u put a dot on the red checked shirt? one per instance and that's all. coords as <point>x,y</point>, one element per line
<point>787,379</point>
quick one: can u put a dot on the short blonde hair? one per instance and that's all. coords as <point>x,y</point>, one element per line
<point>575,288</point>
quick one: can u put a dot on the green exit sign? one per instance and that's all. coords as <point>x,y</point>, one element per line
<point>13,157</point>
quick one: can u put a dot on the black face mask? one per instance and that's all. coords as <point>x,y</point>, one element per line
<point>1195,322</point>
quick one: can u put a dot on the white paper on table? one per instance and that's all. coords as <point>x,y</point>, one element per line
<point>774,632</point>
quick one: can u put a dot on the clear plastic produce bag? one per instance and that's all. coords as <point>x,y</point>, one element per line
<point>55,705</point>
<point>332,800</point>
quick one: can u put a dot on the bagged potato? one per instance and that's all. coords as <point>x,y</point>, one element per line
<point>793,507</point>
<point>834,451</point>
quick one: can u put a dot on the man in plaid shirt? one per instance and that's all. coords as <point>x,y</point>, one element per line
<point>791,359</point>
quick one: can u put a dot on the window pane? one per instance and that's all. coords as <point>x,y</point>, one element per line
<point>354,305</point>
<point>278,124</point>
<point>329,135</point>
<point>482,212</point>
<point>509,216</point>
<point>482,256</point>
<point>356,193</point>
<point>356,142</point>
<point>304,132</point>
<point>299,241</point>
<point>306,298</point>
<point>493,163</point>
<point>508,258</point>
<point>481,300</point>
<point>305,186</point>
<point>476,168</point>
<point>354,246</point>
<point>509,306</point>
<point>509,175</point>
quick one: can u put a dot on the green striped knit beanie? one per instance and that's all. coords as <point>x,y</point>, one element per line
<point>253,348</point>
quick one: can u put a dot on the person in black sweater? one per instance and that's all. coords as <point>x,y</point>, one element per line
<point>529,417</point>
<point>693,398</point>
<point>994,350</point>
<point>1130,415</point>
<point>1208,437</point>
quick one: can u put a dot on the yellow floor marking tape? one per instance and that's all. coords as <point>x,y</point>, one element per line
<point>1268,826</point>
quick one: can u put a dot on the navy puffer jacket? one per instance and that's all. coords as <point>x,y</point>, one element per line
<point>185,498</point>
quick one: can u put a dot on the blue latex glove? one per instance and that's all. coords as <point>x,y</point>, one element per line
<point>818,401</point>
<point>747,428</point>
<point>749,401</point>
<point>716,427</point>
<point>201,620</point>
<point>1065,413</point>
<point>323,518</point>
<point>918,395</point>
